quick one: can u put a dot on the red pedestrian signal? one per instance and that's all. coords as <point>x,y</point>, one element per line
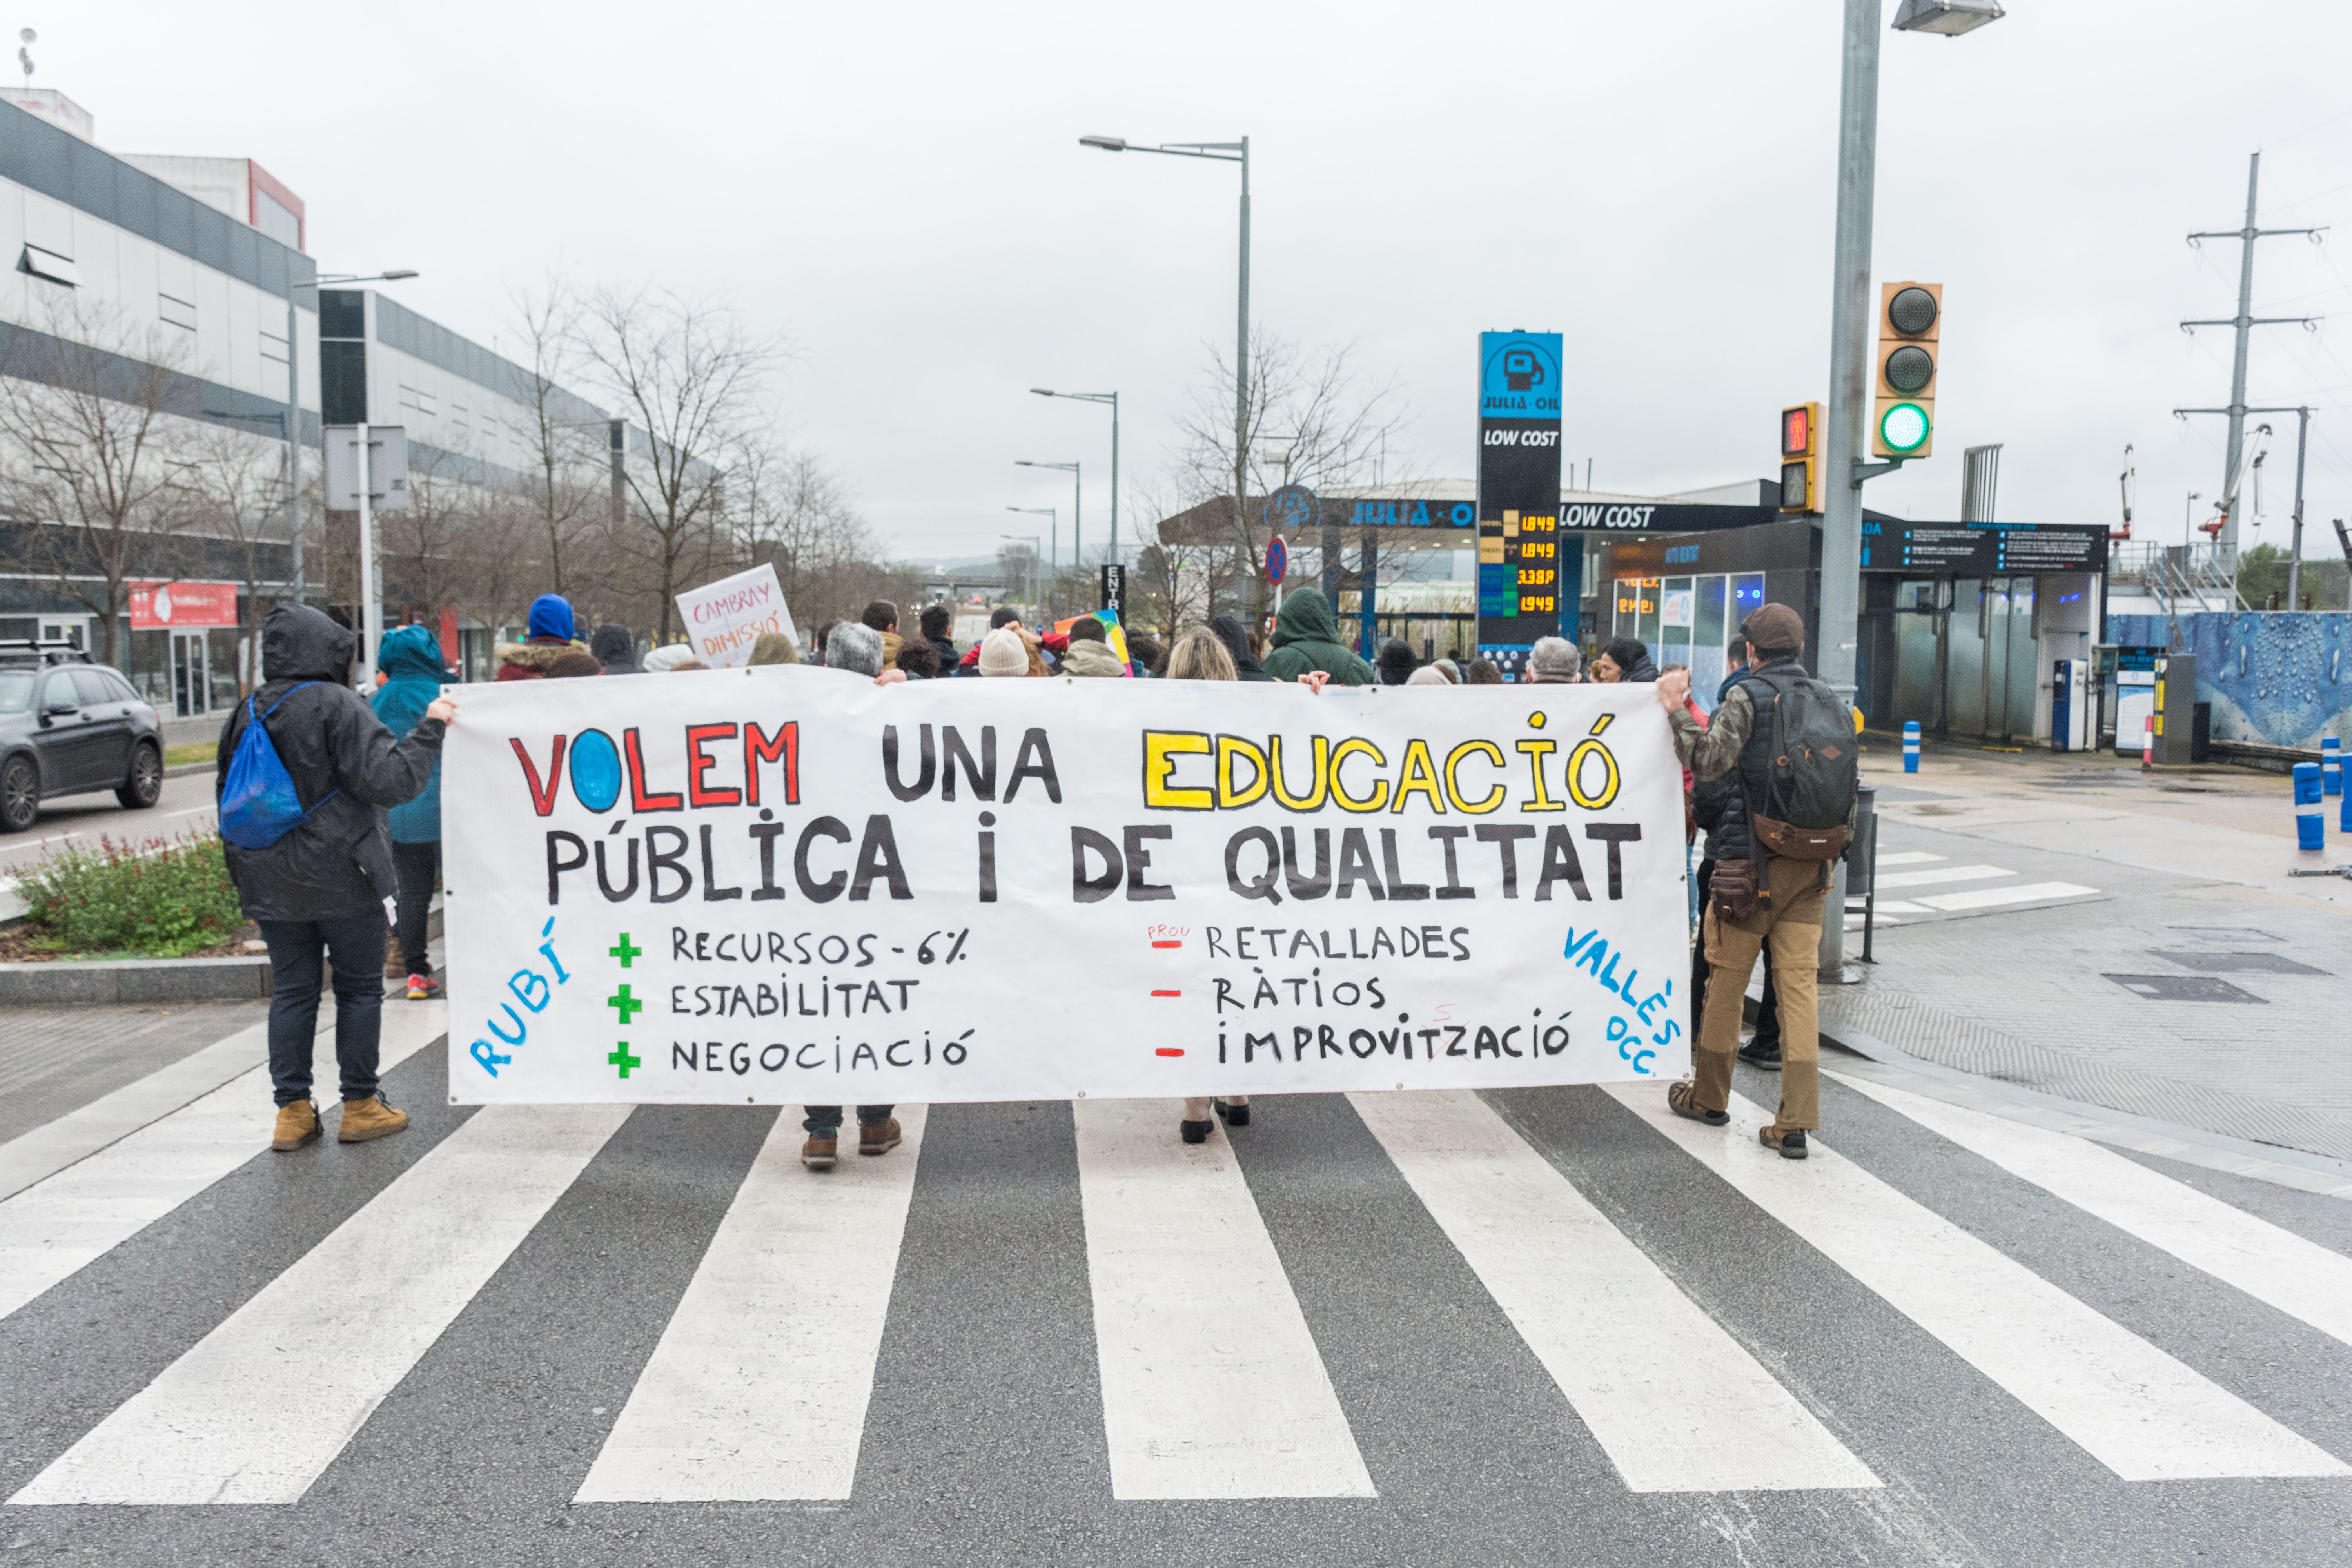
<point>1800,457</point>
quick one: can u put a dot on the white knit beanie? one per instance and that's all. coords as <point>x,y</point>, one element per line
<point>1001,652</point>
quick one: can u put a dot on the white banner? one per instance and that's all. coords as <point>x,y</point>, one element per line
<point>792,886</point>
<point>726,617</point>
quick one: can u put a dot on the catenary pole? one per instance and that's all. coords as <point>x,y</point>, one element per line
<point>2294,554</point>
<point>1241,406</point>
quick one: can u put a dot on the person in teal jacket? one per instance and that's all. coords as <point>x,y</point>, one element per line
<point>1307,638</point>
<point>413,674</point>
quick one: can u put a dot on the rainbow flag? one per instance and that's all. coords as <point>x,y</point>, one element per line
<point>1113,634</point>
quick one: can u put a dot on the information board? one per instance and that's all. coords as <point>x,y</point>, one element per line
<point>1519,587</point>
<point>1982,549</point>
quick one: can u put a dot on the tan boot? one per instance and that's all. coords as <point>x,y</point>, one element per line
<point>879,1138</point>
<point>818,1153</point>
<point>370,1118</point>
<point>296,1124</point>
<point>395,962</point>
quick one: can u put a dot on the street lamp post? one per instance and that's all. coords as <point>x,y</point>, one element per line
<point>1223,153</point>
<point>1111,398</point>
<point>1077,518</point>
<point>1850,347</point>
<point>292,424</point>
<point>1053,516</point>
<point>1850,316</point>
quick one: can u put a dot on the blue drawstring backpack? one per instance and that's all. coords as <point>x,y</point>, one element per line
<point>259,804</point>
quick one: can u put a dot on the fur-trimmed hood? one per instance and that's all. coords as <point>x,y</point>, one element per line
<point>534,656</point>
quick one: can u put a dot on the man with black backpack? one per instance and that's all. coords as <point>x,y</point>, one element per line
<point>1786,743</point>
<point>305,768</point>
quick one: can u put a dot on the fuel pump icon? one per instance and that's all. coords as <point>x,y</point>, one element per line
<point>1522,371</point>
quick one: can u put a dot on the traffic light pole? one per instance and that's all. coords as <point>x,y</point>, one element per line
<point>1850,341</point>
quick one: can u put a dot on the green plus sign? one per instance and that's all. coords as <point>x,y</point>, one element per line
<point>625,951</point>
<point>626,1004</point>
<point>623,1060</point>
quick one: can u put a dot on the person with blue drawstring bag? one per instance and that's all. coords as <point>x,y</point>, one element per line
<point>305,774</point>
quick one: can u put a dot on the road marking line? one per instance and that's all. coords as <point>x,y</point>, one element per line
<point>1942,874</point>
<point>84,1130</point>
<point>759,1387</point>
<point>1211,1385</point>
<point>1670,1396</point>
<point>2134,1409</point>
<point>2016,893</point>
<point>2300,1278</point>
<point>60,1225</point>
<point>257,1409</point>
<point>1909,857</point>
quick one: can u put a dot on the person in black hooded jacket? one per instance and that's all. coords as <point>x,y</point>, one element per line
<point>615,649</point>
<point>324,893</point>
<point>1236,637</point>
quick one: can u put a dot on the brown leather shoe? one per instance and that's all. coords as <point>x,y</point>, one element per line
<point>878,1139</point>
<point>818,1153</point>
<point>296,1124</point>
<point>370,1118</point>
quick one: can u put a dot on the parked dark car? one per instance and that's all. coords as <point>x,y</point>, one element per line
<point>68,725</point>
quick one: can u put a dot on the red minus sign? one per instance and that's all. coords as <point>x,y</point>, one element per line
<point>1167,993</point>
<point>1169,1051</point>
<point>1167,945</point>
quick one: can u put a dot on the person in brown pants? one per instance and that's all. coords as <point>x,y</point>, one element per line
<point>1788,919</point>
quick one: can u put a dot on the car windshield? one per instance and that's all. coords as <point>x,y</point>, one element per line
<point>15,691</point>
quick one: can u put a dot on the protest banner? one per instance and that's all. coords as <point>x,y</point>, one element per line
<point>793,886</point>
<point>726,617</point>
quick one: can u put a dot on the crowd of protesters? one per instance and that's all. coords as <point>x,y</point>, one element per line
<point>365,851</point>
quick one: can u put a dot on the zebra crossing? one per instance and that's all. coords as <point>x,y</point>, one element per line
<point>1901,897</point>
<point>1226,1368</point>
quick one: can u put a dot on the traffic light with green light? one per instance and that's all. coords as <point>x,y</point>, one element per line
<point>1801,489</point>
<point>1903,417</point>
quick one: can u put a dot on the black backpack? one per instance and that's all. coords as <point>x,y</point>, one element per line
<point>1813,771</point>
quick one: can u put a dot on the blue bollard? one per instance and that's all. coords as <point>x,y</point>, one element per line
<point>2331,765</point>
<point>2310,825</point>
<point>1911,745</point>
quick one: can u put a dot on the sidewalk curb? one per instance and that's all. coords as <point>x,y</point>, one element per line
<point>69,983</point>
<point>181,769</point>
<point>2270,1162</point>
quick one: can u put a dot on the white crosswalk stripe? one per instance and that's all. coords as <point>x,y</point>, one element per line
<point>759,1387</point>
<point>1191,1304</point>
<point>2137,1411</point>
<point>2299,1278</point>
<point>1672,1398</point>
<point>1212,1382</point>
<point>243,1417</point>
<point>92,1205</point>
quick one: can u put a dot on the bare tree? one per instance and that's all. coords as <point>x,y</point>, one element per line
<point>690,376</point>
<point>241,482</point>
<point>567,487</point>
<point>1314,418</point>
<point>96,422</point>
<point>432,546</point>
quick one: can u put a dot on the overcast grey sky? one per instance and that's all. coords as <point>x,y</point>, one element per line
<point>899,189</point>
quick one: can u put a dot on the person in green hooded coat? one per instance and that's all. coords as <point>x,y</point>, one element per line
<point>1305,638</point>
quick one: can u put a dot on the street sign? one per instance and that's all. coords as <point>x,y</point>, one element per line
<point>1278,561</point>
<point>387,467</point>
<point>1982,549</point>
<point>1114,588</point>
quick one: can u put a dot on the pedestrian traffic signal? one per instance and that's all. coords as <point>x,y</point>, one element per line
<point>1903,418</point>
<point>1800,459</point>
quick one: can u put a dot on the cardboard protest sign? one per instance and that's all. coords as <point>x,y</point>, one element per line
<point>1113,633</point>
<point>793,886</point>
<point>726,617</point>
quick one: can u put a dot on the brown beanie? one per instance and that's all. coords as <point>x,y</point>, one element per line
<point>1775,629</point>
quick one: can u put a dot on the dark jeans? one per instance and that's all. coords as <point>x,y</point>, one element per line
<point>355,947</point>
<point>826,1118</point>
<point>415,866</point>
<point>1768,1012</point>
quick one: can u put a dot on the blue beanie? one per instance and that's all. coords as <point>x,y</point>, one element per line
<point>550,617</point>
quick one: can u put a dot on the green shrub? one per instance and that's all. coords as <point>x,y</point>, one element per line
<point>161,898</point>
